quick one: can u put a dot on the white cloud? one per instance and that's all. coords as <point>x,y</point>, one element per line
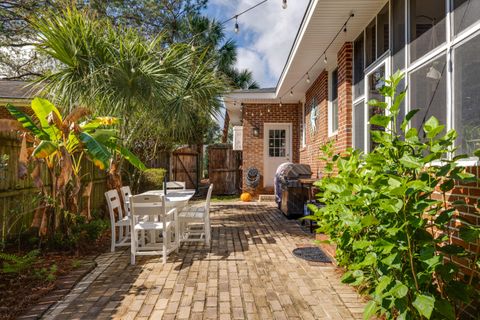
<point>266,34</point>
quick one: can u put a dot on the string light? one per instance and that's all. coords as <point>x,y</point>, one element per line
<point>324,55</point>
<point>236,25</point>
<point>245,11</point>
<point>291,93</point>
<point>284,4</point>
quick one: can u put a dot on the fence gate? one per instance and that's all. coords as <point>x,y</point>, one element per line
<point>224,169</point>
<point>186,166</point>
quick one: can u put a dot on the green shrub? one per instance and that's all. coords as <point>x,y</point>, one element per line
<point>382,216</point>
<point>18,264</point>
<point>152,179</point>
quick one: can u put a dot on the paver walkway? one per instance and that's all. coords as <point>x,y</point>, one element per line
<point>248,273</point>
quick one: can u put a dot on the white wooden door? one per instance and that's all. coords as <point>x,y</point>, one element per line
<point>277,149</point>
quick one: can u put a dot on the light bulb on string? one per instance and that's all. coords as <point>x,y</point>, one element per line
<point>284,4</point>
<point>325,59</point>
<point>237,28</point>
<point>280,104</point>
<point>308,78</point>
<point>291,93</point>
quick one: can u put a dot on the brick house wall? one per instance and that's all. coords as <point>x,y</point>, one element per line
<point>318,91</point>
<point>255,115</point>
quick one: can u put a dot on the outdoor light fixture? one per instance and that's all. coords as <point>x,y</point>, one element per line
<point>308,78</point>
<point>256,131</point>
<point>325,59</point>
<point>284,4</point>
<point>237,28</point>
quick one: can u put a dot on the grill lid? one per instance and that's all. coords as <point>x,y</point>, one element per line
<point>295,171</point>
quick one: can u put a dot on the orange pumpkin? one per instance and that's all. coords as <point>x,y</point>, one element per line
<point>246,197</point>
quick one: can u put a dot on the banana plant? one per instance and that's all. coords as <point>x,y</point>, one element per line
<point>62,143</point>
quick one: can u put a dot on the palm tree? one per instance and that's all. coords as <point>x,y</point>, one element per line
<point>210,34</point>
<point>119,72</point>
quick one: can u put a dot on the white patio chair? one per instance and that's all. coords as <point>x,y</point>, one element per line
<point>159,220</point>
<point>126,193</point>
<point>195,222</point>
<point>176,185</point>
<point>117,220</point>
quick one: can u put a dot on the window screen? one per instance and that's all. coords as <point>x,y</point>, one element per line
<point>375,82</point>
<point>398,21</point>
<point>383,31</point>
<point>467,95</point>
<point>358,67</point>
<point>466,13</point>
<point>359,126</point>
<point>370,46</point>
<point>428,87</point>
<point>427,28</point>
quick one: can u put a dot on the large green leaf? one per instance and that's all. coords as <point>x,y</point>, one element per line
<point>27,122</point>
<point>380,120</point>
<point>99,154</point>
<point>127,154</point>
<point>370,310</point>
<point>97,122</point>
<point>424,305</point>
<point>44,149</point>
<point>42,108</point>
<point>410,162</point>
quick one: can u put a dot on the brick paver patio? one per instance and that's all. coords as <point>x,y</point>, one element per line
<point>249,273</point>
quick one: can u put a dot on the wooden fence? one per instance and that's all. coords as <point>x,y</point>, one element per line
<point>224,169</point>
<point>18,197</point>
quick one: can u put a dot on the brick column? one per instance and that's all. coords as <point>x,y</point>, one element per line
<point>344,61</point>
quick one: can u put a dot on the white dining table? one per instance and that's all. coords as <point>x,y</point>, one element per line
<point>175,198</point>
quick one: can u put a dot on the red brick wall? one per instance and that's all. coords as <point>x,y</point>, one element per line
<point>319,91</point>
<point>310,154</point>
<point>255,115</point>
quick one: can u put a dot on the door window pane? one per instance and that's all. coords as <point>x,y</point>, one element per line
<point>359,126</point>
<point>358,67</point>
<point>466,13</point>
<point>427,28</point>
<point>277,143</point>
<point>376,80</point>
<point>428,87</point>
<point>467,96</point>
<point>383,31</point>
<point>398,20</point>
<point>370,46</point>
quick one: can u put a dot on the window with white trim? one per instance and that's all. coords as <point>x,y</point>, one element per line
<point>466,92</point>
<point>436,43</point>
<point>333,104</point>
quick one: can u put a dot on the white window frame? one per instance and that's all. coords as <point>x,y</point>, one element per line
<point>452,42</point>
<point>332,132</point>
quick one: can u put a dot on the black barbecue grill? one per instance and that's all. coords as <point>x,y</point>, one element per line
<point>293,195</point>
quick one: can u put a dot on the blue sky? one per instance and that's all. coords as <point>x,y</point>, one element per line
<point>266,34</point>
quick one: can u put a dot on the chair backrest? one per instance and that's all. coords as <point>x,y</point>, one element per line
<point>209,196</point>
<point>113,203</point>
<point>126,193</point>
<point>171,185</point>
<point>148,205</point>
